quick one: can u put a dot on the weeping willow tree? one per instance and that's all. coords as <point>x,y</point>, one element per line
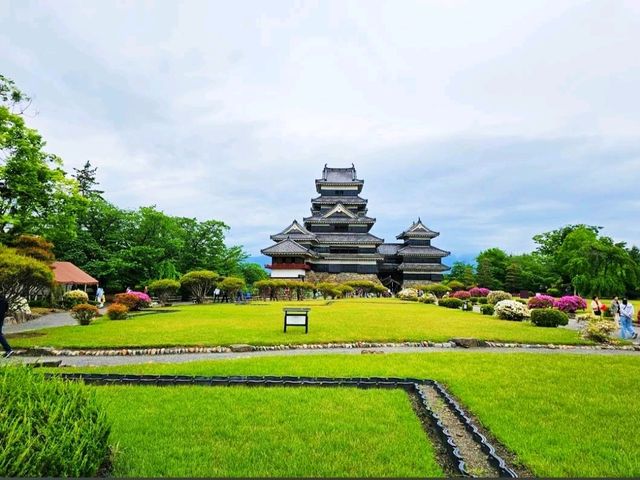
<point>596,265</point>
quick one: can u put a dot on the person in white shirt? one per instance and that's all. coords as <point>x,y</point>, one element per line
<point>626,319</point>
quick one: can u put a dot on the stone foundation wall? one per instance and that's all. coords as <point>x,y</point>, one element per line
<point>315,277</point>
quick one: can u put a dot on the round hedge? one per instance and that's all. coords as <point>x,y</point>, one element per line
<point>49,427</point>
<point>450,302</point>
<point>548,317</point>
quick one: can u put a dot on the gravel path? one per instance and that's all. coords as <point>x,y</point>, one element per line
<point>82,361</point>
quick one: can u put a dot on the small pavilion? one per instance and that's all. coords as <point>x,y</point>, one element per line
<point>69,276</point>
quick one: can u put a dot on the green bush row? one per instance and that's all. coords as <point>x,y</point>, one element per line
<point>548,317</point>
<point>49,428</point>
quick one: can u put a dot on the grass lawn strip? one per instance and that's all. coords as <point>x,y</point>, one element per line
<point>386,320</point>
<point>239,431</point>
<point>561,415</point>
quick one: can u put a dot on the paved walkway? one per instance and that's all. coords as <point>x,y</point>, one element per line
<point>91,360</point>
<point>46,321</point>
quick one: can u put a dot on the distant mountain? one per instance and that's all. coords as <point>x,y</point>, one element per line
<point>261,260</point>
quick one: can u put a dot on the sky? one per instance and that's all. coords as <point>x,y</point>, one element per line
<point>492,120</point>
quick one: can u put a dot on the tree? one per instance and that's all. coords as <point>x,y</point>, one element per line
<point>494,264</point>
<point>252,272</point>
<point>455,285</point>
<point>232,285</point>
<point>512,278</point>
<point>21,275</point>
<point>35,247</point>
<point>199,283</point>
<point>462,272</point>
<point>86,178</point>
<point>164,289</point>
<point>596,265</point>
<point>34,192</point>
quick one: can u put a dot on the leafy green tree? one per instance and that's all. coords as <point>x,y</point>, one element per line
<point>596,265</point>
<point>252,272</point>
<point>462,272</point>
<point>492,268</point>
<point>34,192</point>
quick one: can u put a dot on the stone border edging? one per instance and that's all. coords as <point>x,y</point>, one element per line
<point>462,343</point>
<point>409,385</point>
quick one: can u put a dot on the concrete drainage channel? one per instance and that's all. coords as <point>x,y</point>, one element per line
<point>463,449</point>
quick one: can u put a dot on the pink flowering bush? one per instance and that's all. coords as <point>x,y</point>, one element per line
<point>570,303</point>
<point>133,300</point>
<point>479,292</point>
<point>541,301</point>
<point>461,294</point>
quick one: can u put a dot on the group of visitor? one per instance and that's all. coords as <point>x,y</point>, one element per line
<point>622,313</point>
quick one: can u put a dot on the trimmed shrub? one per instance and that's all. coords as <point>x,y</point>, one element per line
<point>487,309</point>
<point>438,289</point>
<point>479,292</point>
<point>328,289</point>
<point>497,296</point>
<point>482,300</point>
<point>74,297</point>
<point>520,300</point>
<point>541,301</point>
<point>428,298</point>
<point>199,283</point>
<point>450,302</point>
<point>133,300</point>
<point>410,294</point>
<point>511,310</point>
<point>548,317</point>
<point>83,313</point>
<point>455,285</point>
<point>232,285</point>
<point>461,294</point>
<point>117,311</point>
<point>164,289</point>
<point>599,330</point>
<point>50,428</point>
<point>570,303</point>
<point>554,292</point>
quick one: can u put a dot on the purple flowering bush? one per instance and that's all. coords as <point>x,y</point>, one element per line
<point>479,292</point>
<point>541,301</point>
<point>570,303</point>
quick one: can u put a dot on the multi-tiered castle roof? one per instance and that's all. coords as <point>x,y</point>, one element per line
<point>336,239</point>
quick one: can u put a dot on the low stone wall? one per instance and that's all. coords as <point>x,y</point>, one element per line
<point>340,277</point>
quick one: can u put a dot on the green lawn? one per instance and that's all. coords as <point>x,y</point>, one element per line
<point>385,320</point>
<point>260,432</point>
<point>563,415</point>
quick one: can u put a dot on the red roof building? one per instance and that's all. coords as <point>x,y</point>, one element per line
<point>66,273</point>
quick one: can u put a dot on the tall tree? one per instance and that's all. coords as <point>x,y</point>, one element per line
<point>513,282</point>
<point>462,272</point>
<point>494,263</point>
<point>86,178</point>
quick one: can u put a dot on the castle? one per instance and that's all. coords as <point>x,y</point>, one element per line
<point>336,240</point>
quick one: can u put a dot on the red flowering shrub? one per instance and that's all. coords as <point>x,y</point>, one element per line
<point>461,294</point>
<point>479,292</point>
<point>133,300</point>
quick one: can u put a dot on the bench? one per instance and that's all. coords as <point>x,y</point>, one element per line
<point>296,317</point>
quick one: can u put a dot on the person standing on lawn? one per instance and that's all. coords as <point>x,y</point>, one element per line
<point>4,308</point>
<point>626,319</point>
<point>615,309</point>
<point>596,306</point>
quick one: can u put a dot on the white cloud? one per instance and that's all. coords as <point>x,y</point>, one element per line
<point>494,120</point>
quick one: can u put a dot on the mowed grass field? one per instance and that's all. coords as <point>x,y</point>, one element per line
<point>562,414</point>
<point>386,320</point>
<point>265,432</point>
